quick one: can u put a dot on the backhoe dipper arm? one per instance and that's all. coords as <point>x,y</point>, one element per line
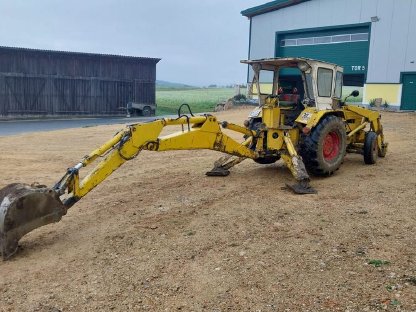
<point>201,132</point>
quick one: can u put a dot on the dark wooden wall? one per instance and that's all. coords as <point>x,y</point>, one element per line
<point>49,83</point>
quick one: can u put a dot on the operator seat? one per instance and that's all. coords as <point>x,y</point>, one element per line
<point>294,103</point>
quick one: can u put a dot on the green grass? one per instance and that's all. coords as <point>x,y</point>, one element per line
<point>347,91</point>
<point>378,263</point>
<point>200,100</point>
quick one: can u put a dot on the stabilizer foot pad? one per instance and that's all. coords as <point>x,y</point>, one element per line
<point>218,172</point>
<point>301,188</point>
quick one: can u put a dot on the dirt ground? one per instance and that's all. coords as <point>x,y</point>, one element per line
<point>158,235</point>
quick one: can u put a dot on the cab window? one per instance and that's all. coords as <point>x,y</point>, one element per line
<point>324,82</point>
<point>338,85</point>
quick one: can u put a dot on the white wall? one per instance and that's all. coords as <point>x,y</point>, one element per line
<point>392,39</point>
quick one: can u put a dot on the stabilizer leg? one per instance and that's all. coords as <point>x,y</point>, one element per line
<point>296,166</point>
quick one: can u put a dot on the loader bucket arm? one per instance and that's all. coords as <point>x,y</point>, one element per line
<point>24,208</point>
<point>374,119</point>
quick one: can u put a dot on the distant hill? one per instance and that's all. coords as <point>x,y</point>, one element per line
<point>161,84</point>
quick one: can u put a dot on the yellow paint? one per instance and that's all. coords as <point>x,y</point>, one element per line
<point>388,92</point>
<point>271,117</point>
<point>204,133</point>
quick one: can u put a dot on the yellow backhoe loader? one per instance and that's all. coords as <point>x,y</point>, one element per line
<point>310,134</point>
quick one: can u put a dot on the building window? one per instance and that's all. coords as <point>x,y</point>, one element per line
<point>324,40</point>
<point>305,41</point>
<point>359,37</point>
<point>341,38</point>
<point>289,42</point>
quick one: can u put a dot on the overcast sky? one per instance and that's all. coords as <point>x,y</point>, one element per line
<point>200,42</point>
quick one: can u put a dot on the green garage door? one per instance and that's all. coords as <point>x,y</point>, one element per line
<point>345,46</point>
<point>408,91</point>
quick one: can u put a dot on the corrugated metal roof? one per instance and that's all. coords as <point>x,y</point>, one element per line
<point>270,6</point>
<point>137,58</point>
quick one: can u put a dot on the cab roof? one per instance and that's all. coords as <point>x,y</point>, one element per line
<point>284,61</point>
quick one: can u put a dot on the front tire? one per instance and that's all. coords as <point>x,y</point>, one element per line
<point>323,150</point>
<point>370,151</point>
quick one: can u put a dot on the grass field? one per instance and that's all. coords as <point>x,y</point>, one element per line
<point>200,100</point>
<point>347,91</point>
<point>204,99</point>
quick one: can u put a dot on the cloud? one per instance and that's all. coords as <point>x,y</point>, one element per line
<point>200,42</point>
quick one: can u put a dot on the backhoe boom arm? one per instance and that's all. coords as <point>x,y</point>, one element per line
<point>200,132</point>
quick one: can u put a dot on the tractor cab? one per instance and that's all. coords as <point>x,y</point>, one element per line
<point>321,83</point>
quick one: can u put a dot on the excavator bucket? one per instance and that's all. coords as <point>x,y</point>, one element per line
<point>24,208</point>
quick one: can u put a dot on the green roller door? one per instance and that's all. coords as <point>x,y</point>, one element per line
<point>408,91</point>
<point>345,46</point>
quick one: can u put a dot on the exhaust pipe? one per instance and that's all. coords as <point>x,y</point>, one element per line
<point>24,208</point>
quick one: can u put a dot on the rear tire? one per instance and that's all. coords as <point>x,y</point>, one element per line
<point>323,150</point>
<point>370,148</point>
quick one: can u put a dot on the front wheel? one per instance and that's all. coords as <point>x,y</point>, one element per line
<point>323,150</point>
<point>370,151</point>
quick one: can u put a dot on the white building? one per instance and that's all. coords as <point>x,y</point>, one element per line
<point>374,40</point>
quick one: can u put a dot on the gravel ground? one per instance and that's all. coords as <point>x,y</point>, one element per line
<point>159,235</point>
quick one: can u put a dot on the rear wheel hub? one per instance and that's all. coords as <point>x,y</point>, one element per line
<point>331,146</point>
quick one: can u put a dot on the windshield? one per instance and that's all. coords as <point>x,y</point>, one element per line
<point>284,83</point>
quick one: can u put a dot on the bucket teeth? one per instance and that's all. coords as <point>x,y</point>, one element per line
<point>24,208</point>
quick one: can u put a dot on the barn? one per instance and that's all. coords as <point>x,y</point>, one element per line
<point>41,83</point>
<point>374,41</point>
